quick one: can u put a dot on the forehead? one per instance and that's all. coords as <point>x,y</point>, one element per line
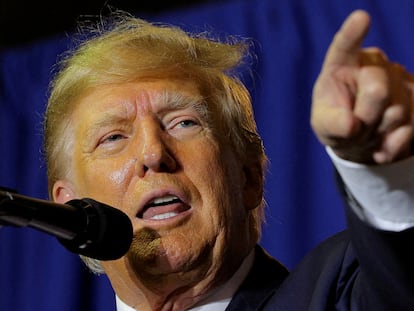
<point>149,94</point>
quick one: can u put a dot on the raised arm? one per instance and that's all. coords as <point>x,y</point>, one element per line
<point>363,110</point>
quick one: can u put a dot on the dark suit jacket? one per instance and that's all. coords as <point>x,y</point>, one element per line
<point>362,269</point>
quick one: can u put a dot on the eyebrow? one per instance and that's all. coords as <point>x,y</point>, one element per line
<point>175,101</point>
<point>109,118</point>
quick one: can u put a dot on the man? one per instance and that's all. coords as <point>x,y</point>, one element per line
<point>152,121</point>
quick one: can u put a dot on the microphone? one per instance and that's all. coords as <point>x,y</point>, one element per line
<point>86,227</point>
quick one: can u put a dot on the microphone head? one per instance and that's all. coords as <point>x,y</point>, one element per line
<point>107,234</point>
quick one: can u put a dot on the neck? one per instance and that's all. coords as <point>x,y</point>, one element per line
<point>176,292</point>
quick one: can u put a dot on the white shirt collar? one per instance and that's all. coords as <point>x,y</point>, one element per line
<point>122,306</point>
<point>218,300</point>
<point>211,306</point>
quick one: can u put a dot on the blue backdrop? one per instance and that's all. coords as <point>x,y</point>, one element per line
<point>290,38</point>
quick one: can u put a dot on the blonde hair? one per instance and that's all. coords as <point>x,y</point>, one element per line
<point>125,49</point>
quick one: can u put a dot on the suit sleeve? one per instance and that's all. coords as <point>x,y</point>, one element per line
<point>360,269</point>
<point>385,280</point>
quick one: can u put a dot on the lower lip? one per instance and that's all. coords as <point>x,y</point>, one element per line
<point>178,217</point>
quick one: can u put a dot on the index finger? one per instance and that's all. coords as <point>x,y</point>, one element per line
<point>345,47</point>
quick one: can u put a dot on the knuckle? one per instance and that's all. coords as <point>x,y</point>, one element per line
<point>376,90</point>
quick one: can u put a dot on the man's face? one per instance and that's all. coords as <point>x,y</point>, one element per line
<point>153,150</point>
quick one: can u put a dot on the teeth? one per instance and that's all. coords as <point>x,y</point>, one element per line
<point>168,199</point>
<point>164,199</point>
<point>164,216</point>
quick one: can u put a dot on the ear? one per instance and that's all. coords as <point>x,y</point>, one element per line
<point>253,187</point>
<point>63,191</point>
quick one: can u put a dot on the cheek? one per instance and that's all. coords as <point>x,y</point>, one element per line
<point>104,180</point>
<point>120,174</point>
<point>218,176</point>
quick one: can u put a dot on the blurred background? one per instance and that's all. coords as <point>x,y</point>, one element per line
<point>24,21</point>
<point>289,39</point>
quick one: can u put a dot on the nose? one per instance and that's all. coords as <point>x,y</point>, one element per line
<point>154,154</point>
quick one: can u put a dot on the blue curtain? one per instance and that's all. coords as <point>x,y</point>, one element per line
<point>290,39</point>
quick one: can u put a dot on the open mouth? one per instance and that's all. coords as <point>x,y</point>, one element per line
<point>164,207</point>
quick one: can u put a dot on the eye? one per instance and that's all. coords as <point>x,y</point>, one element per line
<point>112,138</point>
<point>184,127</point>
<point>187,123</point>
<point>184,123</point>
